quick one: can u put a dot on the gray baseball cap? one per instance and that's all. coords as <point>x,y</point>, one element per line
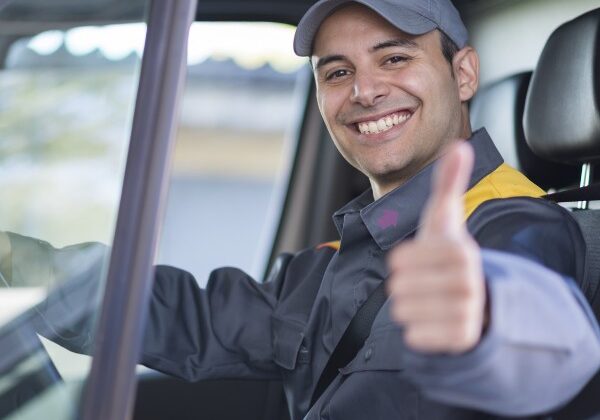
<point>415,17</point>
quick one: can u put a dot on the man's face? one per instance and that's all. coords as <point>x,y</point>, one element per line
<point>389,99</point>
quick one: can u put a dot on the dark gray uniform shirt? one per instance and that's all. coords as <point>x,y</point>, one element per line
<point>541,346</point>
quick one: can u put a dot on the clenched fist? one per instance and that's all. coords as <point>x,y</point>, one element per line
<point>436,283</point>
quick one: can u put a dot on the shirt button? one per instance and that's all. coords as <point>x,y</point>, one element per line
<point>368,353</point>
<point>303,355</point>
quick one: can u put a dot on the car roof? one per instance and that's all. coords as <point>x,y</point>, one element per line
<point>97,11</point>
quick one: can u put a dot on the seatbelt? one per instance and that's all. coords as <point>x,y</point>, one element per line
<point>589,193</point>
<point>352,340</point>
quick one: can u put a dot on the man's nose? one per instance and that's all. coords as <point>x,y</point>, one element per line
<point>368,90</point>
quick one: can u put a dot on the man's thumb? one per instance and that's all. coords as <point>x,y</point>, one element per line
<point>443,214</point>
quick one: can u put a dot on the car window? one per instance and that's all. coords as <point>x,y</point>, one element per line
<point>66,108</point>
<point>242,104</point>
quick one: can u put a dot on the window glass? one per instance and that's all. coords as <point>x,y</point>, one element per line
<point>65,116</point>
<point>241,109</point>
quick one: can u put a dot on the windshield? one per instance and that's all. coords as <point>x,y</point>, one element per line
<point>68,93</point>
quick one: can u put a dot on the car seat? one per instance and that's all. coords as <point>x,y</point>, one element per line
<point>499,106</point>
<point>562,124</point>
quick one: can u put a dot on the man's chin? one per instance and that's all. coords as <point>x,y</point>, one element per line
<point>388,178</point>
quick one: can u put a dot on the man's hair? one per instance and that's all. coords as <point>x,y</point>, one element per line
<point>449,48</point>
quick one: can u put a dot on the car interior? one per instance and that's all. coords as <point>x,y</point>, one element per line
<point>539,99</point>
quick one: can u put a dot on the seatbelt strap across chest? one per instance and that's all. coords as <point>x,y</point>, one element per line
<point>352,340</point>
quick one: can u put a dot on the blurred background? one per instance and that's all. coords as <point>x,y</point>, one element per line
<point>66,105</point>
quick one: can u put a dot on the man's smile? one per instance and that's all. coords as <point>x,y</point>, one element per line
<point>385,123</point>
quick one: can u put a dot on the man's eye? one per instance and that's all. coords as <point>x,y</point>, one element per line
<point>397,59</point>
<point>336,74</point>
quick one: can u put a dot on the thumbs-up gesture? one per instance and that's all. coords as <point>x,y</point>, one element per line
<point>436,283</point>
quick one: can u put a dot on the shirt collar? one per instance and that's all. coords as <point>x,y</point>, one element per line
<point>396,215</point>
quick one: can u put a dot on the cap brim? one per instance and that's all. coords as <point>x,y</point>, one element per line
<point>402,18</point>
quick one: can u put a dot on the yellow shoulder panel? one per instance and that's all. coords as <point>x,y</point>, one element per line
<point>333,244</point>
<point>503,182</point>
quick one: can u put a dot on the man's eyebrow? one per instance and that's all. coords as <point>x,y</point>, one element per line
<point>400,42</point>
<point>328,59</point>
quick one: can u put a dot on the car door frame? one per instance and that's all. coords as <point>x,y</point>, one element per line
<point>109,392</point>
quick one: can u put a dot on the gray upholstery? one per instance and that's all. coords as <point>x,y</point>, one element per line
<point>562,111</point>
<point>499,108</point>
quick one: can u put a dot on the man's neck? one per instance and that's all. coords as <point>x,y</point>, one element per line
<point>382,186</point>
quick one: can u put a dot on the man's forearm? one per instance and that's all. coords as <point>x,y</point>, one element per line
<point>532,358</point>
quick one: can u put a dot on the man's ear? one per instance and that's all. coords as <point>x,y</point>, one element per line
<point>466,71</point>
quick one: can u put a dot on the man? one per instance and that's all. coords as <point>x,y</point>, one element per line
<point>482,317</point>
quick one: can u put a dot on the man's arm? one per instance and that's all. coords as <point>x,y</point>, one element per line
<point>221,331</point>
<point>503,330</point>
<point>539,348</point>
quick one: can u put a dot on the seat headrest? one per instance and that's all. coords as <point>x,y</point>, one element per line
<point>562,110</point>
<point>498,107</point>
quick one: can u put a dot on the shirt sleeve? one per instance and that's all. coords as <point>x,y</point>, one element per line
<point>222,331</point>
<point>542,344</point>
<point>229,329</point>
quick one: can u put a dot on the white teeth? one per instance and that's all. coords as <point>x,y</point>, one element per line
<point>382,124</point>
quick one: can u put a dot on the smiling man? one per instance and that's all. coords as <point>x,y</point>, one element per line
<point>480,318</point>
<point>476,303</point>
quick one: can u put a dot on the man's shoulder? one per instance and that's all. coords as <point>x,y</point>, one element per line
<point>502,183</point>
<point>519,210</point>
<point>533,228</point>
<point>506,199</point>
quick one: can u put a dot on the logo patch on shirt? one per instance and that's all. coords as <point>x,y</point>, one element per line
<point>389,218</point>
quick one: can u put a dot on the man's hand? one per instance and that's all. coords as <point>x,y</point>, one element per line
<point>436,282</point>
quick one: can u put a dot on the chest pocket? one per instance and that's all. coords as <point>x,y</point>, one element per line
<point>382,352</point>
<point>375,374</point>
<point>383,348</point>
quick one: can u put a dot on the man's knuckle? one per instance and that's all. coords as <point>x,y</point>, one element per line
<point>457,333</point>
<point>462,314</point>
<point>397,286</point>
<point>414,339</point>
<point>398,312</point>
<point>401,253</point>
<point>462,287</point>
